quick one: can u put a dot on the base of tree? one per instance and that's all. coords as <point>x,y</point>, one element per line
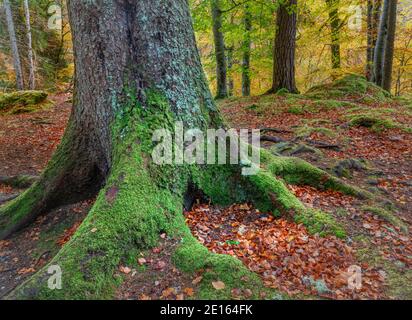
<point>142,200</point>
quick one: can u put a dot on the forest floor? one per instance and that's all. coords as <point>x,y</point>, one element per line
<point>375,155</point>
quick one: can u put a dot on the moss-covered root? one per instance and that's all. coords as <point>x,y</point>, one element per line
<point>21,210</point>
<point>129,215</point>
<point>299,172</point>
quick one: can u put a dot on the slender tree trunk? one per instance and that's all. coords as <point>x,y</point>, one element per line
<point>369,46</point>
<point>32,78</point>
<point>390,46</point>
<point>247,43</point>
<point>380,45</point>
<point>285,48</point>
<point>335,25</point>
<point>221,66</point>
<point>373,15</point>
<point>230,80</point>
<point>13,45</point>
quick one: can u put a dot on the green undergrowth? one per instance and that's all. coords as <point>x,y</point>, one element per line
<point>349,86</point>
<point>23,102</point>
<point>377,120</point>
<point>398,277</point>
<point>386,215</point>
<point>141,200</point>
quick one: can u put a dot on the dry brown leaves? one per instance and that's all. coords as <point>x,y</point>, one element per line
<point>282,252</point>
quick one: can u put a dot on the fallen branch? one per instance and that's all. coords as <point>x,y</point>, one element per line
<point>272,139</point>
<point>276,130</point>
<point>323,145</point>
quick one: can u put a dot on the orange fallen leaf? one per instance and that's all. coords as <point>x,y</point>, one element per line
<point>125,270</point>
<point>189,291</point>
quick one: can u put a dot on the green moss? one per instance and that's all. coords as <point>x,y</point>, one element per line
<point>129,213</point>
<point>387,216</point>
<point>320,222</point>
<point>296,109</point>
<point>19,182</point>
<point>306,131</point>
<point>351,85</point>
<point>141,200</point>
<point>371,121</point>
<point>22,101</point>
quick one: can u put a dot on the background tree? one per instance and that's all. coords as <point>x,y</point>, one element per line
<point>285,47</point>
<point>13,45</point>
<point>373,14</point>
<point>335,26</point>
<point>32,77</point>
<point>390,46</point>
<point>247,43</point>
<point>219,41</point>
<point>380,45</point>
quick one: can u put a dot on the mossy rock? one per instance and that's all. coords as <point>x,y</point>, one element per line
<point>351,85</point>
<point>22,101</point>
<point>371,121</point>
<point>345,167</point>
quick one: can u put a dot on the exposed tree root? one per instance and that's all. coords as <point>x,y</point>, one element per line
<point>142,200</point>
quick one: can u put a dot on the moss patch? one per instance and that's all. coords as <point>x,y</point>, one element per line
<point>22,102</point>
<point>351,85</point>
<point>387,216</point>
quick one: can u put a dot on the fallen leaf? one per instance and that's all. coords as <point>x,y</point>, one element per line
<point>218,285</point>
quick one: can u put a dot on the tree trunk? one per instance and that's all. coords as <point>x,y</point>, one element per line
<point>138,70</point>
<point>32,79</point>
<point>374,11</point>
<point>390,46</point>
<point>13,45</point>
<point>380,45</point>
<point>110,42</point>
<point>221,67</point>
<point>285,48</point>
<point>230,80</point>
<point>369,47</point>
<point>335,32</point>
<point>247,42</point>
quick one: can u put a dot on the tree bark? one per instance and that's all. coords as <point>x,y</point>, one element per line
<point>110,44</point>
<point>380,45</point>
<point>219,41</point>
<point>335,25</point>
<point>247,43</point>
<point>390,46</point>
<point>285,48</point>
<point>373,14</point>
<point>230,80</point>
<point>13,45</point>
<point>32,78</point>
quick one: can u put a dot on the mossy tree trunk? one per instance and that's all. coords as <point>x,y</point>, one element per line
<point>138,70</point>
<point>110,43</point>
